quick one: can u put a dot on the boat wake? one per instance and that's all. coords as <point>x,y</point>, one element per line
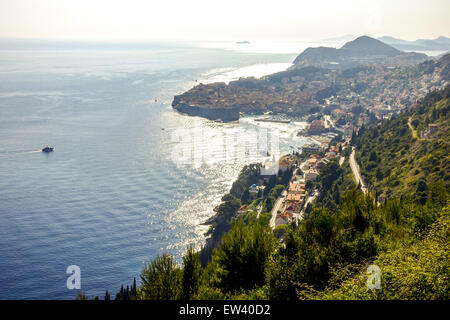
<point>5,154</point>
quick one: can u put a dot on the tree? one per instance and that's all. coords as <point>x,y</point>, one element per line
<point>245,196</point>
<point>353,139</point>
<point>228,209</point>
<point>269,202</point>
<point>280,230</point>
<point>379,174</point>
<point>81,296</point>
<point>134,288</point>
<point>161,279</point>
<point>239,262</point>
<point>309,185</point>
<point>422,191</point>
<point>123,294</point>
<point>192,271</point>
<point>228,197</point>
<point>373,156</point>
<point>260,193</point>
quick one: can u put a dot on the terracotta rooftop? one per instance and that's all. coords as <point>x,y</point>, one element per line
<point>293,197</point>
<point>296,187</point>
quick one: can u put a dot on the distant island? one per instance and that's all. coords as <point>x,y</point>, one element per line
<point>325,79</point>
<point>242,42</point>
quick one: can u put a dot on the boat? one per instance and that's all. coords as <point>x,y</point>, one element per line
<point>48,149</point>
<point>272,120</point>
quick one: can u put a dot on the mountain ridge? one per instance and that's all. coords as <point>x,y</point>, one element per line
<point>439,43</point>
<point>362,50</point>
<point>370,46</point>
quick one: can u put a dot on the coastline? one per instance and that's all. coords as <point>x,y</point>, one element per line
<point>255,70</point>
<point>224,114</point>
<point>227,114</point>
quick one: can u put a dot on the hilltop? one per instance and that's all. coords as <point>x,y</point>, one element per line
<point>362,50</point>
<point>440,43</point>
<point>367,46</point>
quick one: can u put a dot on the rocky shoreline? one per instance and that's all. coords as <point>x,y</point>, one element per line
<point>224,114</point>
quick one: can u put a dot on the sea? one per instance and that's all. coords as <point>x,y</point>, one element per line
<point>129,178</point>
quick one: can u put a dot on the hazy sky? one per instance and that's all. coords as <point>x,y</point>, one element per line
<point>222,20</point>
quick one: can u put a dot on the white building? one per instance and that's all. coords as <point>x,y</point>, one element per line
<point>311,174</point>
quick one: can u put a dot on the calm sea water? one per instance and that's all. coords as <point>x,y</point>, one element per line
<point>110,197</point>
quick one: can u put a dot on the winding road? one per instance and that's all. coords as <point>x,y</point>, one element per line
<point>413,132</point>
<point>356,172</point>
<point>276,207</point>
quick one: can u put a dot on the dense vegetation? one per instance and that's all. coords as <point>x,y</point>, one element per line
<point>325,257</point>
<point>332,183</point>
<point>396,159</point>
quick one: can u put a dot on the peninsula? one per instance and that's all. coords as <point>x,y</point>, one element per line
<point>364,72</point>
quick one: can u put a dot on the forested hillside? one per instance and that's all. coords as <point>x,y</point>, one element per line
<point>402,226</point>
<point>409,153</point>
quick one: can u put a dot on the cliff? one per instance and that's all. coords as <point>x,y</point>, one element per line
<point>224,114</point>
